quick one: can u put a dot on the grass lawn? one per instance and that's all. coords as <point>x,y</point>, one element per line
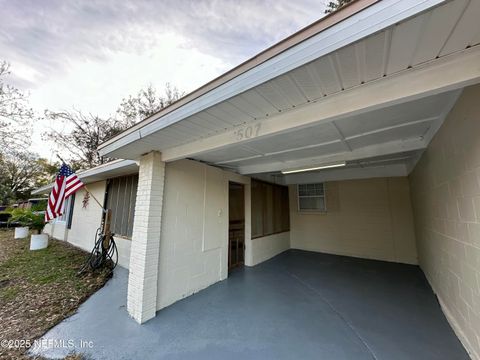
<point>38,289</point>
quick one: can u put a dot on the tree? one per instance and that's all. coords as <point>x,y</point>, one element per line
<point>88,132</point>
<point>15,114</point>
<point>48,172</point>
<point>20,173</point>
<point>146,103</point>
<point>335,5</point>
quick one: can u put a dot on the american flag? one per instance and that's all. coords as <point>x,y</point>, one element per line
<point>66,184</point>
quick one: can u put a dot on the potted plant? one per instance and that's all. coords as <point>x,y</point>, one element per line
<point>18,218</point>
<point>35,221</point>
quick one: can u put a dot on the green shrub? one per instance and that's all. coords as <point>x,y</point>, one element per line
<point>27,217</point>
<point>41,205</point>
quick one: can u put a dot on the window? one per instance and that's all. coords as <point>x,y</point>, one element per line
<point>311,198</point>
<point>121,196</point>
<point>270,209</point>
<point>68,211</point>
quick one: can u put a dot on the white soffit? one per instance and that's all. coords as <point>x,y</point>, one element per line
<point>382,97</point>
<point>321,65</point>
<point>394,133</point>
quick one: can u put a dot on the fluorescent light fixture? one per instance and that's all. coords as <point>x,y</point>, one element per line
<point>314,168</point>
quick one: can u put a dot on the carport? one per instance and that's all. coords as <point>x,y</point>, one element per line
<point>365,115</point>
<point>299,305</point>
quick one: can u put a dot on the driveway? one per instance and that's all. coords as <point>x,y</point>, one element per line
<point>298,305</point>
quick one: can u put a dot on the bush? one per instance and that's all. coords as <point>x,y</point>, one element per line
<point>27,217</point>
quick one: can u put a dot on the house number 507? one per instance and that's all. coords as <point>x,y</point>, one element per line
<point>247,132</point>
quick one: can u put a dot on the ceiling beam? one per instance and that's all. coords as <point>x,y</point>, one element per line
<point>341,136</point>
<point>440,75</point>
<point>393,127</point>
<point>385,149</point>
<point>346,174</point>
<point>341,139</point>
<point>305,147</point>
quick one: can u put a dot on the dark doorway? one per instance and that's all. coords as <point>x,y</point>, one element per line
<point>236,228</point>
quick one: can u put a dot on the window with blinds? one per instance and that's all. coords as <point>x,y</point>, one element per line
<point>121,196</point>
<point>311,197</point>
<point>270,209</point>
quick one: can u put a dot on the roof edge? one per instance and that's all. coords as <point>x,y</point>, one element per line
<point>97,170</point>
<point>303,34</point>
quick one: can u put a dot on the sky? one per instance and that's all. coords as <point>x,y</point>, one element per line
<point>89,55</point>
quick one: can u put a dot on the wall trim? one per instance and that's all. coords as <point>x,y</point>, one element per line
<point>347,254</point>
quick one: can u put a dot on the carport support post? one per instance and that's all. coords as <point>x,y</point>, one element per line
<point>142,280</point>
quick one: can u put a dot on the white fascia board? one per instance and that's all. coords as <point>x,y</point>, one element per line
<point>42,190</point>
<point>376,17</point>
<point>121,142</point>
<point>114,165</point>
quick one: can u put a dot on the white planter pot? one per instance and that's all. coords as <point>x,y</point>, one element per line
<point>38,241</point>
<point>21,232</point>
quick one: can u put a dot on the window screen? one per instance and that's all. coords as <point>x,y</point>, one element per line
<point>270,209</point>
<point>121,196</point>
<point>311,197</point>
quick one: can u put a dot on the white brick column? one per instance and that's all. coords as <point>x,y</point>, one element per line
<point>142,280</point>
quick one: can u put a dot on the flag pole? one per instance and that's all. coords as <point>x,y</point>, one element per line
<point>94,198</point>
<point>86,189</point>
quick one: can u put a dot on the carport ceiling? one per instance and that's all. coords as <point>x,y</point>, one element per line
<point>377,97</point>
<point>396,132</point>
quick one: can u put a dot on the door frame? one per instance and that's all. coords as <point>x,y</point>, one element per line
<point>242,262</point>
<point>246,181</point>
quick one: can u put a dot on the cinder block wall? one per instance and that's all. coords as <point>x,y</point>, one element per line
<point>445,186</point>
<point>367,218</point>
<point>194,231</point>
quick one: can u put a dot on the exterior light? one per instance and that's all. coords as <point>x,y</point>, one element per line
<point>328,166</point>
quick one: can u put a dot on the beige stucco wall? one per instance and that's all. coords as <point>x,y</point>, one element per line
<point>123,247</point>
<point>85,222</point>
<point>446,200</point>
<point>368,218</point>
<point>56,229</point>
<point>266,247</point>
<point>194,231</point>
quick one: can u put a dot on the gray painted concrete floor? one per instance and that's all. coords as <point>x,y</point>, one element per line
<point>299,305</point>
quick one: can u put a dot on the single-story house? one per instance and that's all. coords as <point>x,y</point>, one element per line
<point>358,135</point>
<point>115,186</point>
